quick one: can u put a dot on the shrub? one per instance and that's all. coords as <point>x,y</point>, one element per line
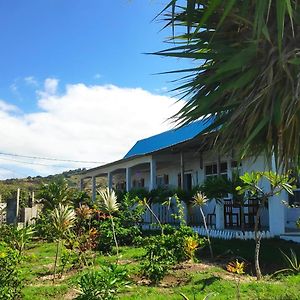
<point>126,223</point>
<point>10,282</point>
<point>103,284</point>
<point>163,251</point>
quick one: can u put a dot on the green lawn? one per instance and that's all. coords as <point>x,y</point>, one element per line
<point>194,280</point>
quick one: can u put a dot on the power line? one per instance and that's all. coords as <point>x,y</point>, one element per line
<point>32,163</point>
<point>52,159</point>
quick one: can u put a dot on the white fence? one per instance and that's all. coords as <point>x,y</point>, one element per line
<point>232,234</point>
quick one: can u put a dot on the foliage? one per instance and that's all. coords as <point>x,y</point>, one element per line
<point>44,227</point>
<point>110,205</point>
<point>236,267</point>
<point>201,200</point>
<point>126,223</point>
<point>163,251</point>
<point>17,238</point>
<point>10,282</point>
<point>79,247</point>
<point>104,284</point>
<point>293,264</point>
<point>190,247</point>
<point>63,218</point>
<point>245,65</point>
<point>54,193</point>
<point>252,186</point>
<point>216,187</point>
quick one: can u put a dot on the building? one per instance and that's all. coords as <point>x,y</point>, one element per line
<point>184,158</point>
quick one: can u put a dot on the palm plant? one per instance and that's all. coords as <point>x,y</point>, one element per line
<point>246,72</point>
<point>201,200</point>
<point>63,218</point>
<point>293,264</point>
<point>110,205</point>
<point>55,193</point>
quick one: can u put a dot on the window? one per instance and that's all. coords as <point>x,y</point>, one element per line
<point>212,170</point>
<point>138,183</point>
<point>295,198</point>
<point>162,180</point>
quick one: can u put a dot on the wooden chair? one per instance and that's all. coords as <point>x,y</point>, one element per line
<point>231,218</point>
<point>250,214</point>
<point>211,218</point>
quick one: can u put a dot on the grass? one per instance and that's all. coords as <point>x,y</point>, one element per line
<point>195,281</point>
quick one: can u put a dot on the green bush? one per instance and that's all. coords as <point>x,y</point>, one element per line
<point>163,251</point>
<point>127,224</point>
<point>10,282</point>
<point>103,284</point>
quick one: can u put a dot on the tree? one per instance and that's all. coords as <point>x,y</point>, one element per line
<point>245,80</point>
<point>201,200</point>
<point>63,218</point>
<point>252,185</point>
<point>110,205</point>
<point>55,193</point>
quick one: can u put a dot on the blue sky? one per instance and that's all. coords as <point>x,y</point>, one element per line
<point>75,84</point>
<point>89,41</point>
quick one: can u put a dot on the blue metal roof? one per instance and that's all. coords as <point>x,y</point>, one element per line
<point>168,138</point>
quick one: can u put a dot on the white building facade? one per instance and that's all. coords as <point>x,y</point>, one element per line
<point>181,159</point>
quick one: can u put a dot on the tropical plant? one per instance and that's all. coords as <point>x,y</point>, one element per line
<point>17,237</point>
<point>236,267</point>
<point>201,200</point>
<point>55,193</point>
<point>63,218</point>
<point>190,247</point>
<point>10,281</point>
<point>293,264</point>
<point>104,284</point>
<point>165,250</point>
<point>110,205</point>
<point>246,62</point>
<point>252,187</point>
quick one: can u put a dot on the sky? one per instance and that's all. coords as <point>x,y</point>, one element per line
<point>76,84</point>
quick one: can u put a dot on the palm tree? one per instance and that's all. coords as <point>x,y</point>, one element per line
<point>246,72</point>
<point>55,193</point>
<point>63,218</point>
<point>110,205</point>
<point>201,200</point>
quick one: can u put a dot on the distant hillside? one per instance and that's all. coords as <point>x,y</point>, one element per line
<point>8,187</point>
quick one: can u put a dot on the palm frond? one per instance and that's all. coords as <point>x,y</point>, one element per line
<point>108,200</point>
<point>248,75</point>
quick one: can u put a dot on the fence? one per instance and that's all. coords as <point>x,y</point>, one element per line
<point>232,234</point>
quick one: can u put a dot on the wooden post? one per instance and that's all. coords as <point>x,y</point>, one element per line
<point>182,169</point>
<point>17,205</point>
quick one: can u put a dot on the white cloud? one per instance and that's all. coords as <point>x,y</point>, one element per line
<point>6,107</point>
<point>30,80</point>
<point>94,123</point>
<point>50,88</point>
<point>97,76</point>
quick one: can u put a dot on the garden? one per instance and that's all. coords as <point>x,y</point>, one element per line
<point>82,250</point>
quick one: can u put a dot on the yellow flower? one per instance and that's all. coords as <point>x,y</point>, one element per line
<point>236,267</point>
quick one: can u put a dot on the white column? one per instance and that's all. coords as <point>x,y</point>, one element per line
<point>220,215</point>
<point>277,214</point>
<point>109,180</point>
<point>277,208</point>
<point>93,188</point>
<point>128,179</point>
<point>152,184</point>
